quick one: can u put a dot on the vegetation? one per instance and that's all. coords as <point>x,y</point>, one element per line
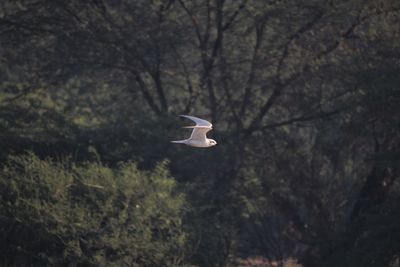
<point>61,214</point>
<point>304,99</point>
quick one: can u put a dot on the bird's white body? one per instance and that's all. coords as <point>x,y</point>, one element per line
<point>198,137</point>
<point>195,143</point>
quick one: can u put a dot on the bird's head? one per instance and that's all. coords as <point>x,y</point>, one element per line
<point>212,142</point>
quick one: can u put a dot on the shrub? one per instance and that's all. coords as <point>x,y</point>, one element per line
<point>58,213</point>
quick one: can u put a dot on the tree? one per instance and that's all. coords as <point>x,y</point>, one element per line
<point>64,214</point>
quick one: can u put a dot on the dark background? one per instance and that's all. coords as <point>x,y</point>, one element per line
<point>304,98</point>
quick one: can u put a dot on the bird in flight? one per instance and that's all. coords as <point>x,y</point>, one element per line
<point>199,133</point>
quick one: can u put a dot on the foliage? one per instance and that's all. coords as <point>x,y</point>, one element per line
<point>59,213</point>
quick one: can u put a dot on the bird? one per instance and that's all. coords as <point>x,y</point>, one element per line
<point>198,137</point>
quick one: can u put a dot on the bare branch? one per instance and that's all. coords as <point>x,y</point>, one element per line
<point>24,92</point>
<point>232,18</point>
<point>264,109</point>
<point>249,83</point>
<point>190,88</point>
<point>283,84</point>
<point>146,94</point>
<point>316,116</point>
<point>293,37</point>
<point>194,22</point>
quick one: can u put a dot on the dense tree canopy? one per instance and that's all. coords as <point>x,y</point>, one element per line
<point>303,96</point>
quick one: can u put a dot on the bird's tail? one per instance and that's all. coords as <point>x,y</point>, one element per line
<point>179,142</point>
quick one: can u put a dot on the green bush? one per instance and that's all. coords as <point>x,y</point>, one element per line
<point>61,214</point>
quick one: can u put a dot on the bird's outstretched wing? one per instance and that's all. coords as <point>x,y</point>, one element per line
<point>201,128</point>
<point>198,121</point>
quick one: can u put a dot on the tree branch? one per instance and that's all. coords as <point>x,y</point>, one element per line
<point>302,119</point>
<point>249,83</point>
<point>228,24</point>
<point>293,37</point>
<point>282,85</point>
<point>146,93</point>
<point>194,22</point>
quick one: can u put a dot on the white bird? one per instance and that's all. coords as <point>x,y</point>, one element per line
<point>199,133</point>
